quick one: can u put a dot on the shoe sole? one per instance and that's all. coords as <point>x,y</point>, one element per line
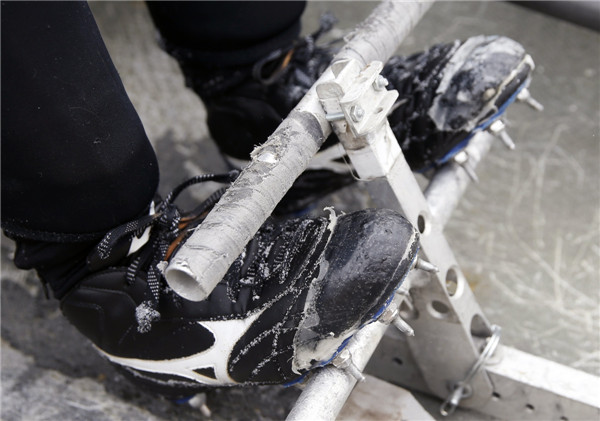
<point>488,121</point>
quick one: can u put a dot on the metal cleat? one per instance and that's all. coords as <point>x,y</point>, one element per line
<point>498,128</point>
<point>199,402</point>
<point>392,316</point>
<point>344,362</point>
<point>425,265</point>
<point>525,96</point>
<point>462,159</point>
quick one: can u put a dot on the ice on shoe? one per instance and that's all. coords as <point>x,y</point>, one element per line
<point>288,304</point>
<point>451,91</point>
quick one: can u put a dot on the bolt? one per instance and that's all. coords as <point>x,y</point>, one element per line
<point>356,113</point>
<point>380,83</point>
<point>425,265</point>
<point>344,362</point>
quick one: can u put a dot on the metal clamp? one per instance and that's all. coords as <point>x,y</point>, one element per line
<point>462,389</point>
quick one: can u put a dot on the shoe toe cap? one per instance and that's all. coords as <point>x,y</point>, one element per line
<point>367,258</point>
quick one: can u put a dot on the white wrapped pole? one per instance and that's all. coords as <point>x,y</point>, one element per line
<point>206,256</point>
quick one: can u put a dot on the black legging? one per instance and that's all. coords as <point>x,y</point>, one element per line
<point>75,158</point>
<point>76,161</point>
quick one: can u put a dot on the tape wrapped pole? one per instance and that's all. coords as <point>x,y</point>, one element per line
<point>203,260</point>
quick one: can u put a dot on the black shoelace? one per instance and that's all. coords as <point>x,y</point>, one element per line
<point>167,224</point>
<point>302,63</point>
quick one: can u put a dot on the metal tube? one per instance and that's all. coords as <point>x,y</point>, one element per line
<point>206,256</point>
<point>326,393</point>
<point>449,184</point>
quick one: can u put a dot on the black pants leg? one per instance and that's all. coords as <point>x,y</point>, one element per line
<point>226,33</point>
<point>76,161</point>
<point>75,158</point>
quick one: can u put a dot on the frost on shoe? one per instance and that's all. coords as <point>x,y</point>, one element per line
<point>474,79</point>
<point>145,314</point>
<point>450,91</point>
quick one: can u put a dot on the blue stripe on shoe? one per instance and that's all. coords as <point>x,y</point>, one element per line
<point>484,125</point>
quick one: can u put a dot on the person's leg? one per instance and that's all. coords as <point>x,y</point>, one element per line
<point>217,34</point>
<point>75,158</point>
<point>217,45</point>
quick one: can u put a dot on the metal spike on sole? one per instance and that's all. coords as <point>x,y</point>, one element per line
<point>525,96</point>
<point>344,362</point>
<point>462,159</point>
<point>391,315</point>
<point>425,265</point>
<point>498,129</point>
<point>402,326</point>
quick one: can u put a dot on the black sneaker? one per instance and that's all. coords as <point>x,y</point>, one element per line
<point>244,106</point>
<point>288,304</point>
<point>447,94</point>
<point>450,92</point>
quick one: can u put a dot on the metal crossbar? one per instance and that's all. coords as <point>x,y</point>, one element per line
<point>451,329</point>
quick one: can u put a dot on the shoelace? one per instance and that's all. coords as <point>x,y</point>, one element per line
<point>302,63</point>
<point>167,227</point>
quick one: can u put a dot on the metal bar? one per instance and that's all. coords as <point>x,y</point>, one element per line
<point>326,392</point>
<point>448,321</point>
<point>525,386</point>
<point>206,256</point>
<point>449,183</point>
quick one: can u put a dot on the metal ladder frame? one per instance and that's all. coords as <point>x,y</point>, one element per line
<point>451,329</point>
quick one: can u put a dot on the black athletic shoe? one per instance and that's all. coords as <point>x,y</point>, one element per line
<point>447,94</point>
<point>450,92</point>
<point>288,304</point>
<point>245,105</point>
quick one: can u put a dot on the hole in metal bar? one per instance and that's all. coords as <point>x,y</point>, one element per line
<point>479,328</point>
<point>454,282</point>
<point>563,418</point>
<point>439,310</point>
<point>422,223</point>
<point>529,407</point>
<point>496,396</point>
<point>408,310</point>
<point>398,360</point>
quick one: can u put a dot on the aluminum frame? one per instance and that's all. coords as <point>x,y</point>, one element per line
<point>451,329</point>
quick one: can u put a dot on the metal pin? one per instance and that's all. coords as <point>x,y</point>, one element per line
<point>380,83</point>
<point>335,117</point>
<point>403,327</point>
<point>498,128</point>
<point>425,265</point>
<point>462,159</point>
<point>525,96</point>
<point>199,402</point>
<point>344,362</point>
<point>356,113</point>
